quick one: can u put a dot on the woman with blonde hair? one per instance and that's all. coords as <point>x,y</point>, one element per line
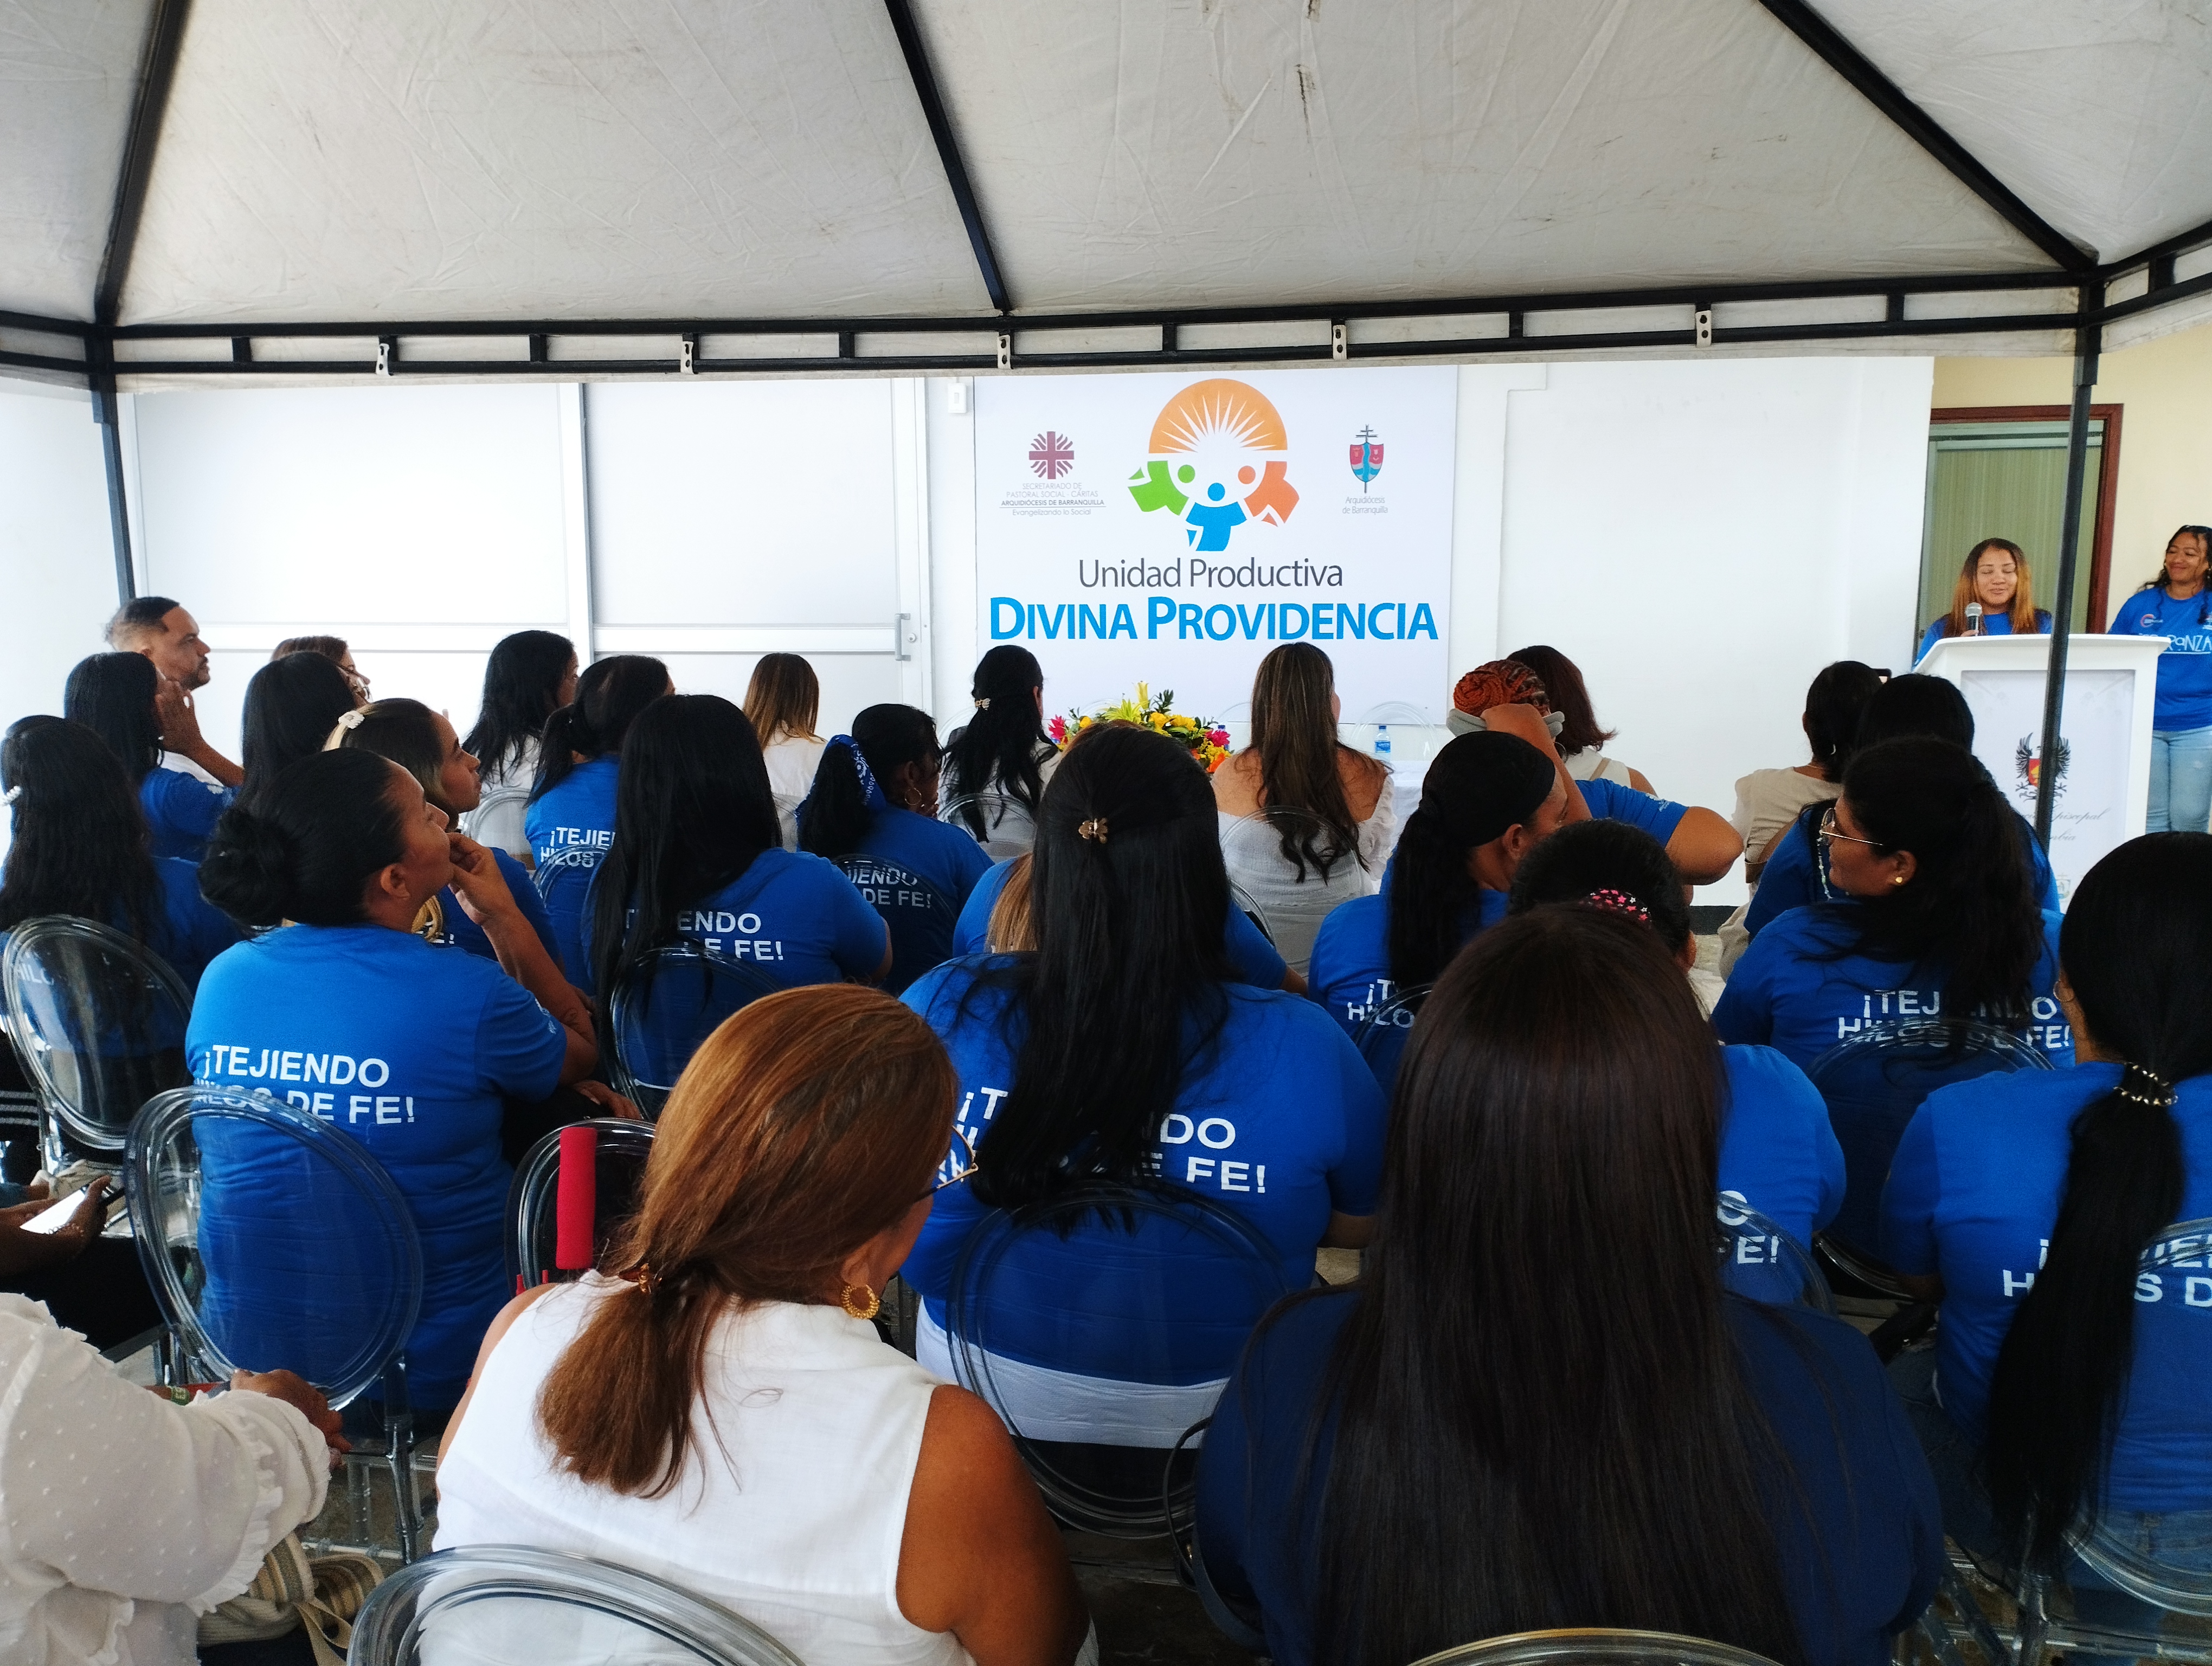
<point>782,703</point>
<point>1995,576</point>
<point>716,1410</point>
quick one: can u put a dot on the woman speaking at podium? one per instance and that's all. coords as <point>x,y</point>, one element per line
<point>2176,606</point>
<point>1995,582</point>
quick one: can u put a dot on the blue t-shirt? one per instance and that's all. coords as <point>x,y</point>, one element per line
<point>1350,970</point>
<point>1281,1123</point>
<point>409,1050</point>
<point>181,811</point>
<point>1993,624</point>
<point>1611,801</point>
<point>1857,1522</point>
<point>577,815</point>
<point>1795,876</point>
<point>1973,1194</point>
<point>2184,699</point>
<point>192,931</point>
<point>1249,953</point>
<point>1782,994</point>
<point>947,856</point>
<point>463,932</point>
<point>793,916</point>
<point>1777,1153</point>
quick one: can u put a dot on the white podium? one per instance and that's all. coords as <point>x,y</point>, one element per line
<point>2104,747</point>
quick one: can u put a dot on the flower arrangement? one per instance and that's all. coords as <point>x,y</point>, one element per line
<point>1205,739</point>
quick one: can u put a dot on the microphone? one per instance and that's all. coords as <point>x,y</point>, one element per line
<point>1973,618</point>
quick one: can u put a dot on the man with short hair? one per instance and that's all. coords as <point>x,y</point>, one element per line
<point>161,628</point>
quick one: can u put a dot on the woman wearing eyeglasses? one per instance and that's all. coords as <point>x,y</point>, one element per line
<point>1941,921</point>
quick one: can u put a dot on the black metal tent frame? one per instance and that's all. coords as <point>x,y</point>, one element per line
<point>1007,338</point>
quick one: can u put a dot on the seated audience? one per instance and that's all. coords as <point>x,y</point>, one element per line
<point>1581,741</point>
<point>782,700</point>
<point>292,704</point>
<point>1003,750</point>
<point>422,743</point>
<point>720,1413</point>
<point>1296,761</point>
<point>1796,872</point>
<point>1994,575</point>
<point>1101,1055</point>
<point>115,696</point>
<point>164,632</point>
<point>79,847</point>
<point>529,676</point>
<point>697,858</point>
<point>875,795</point>
<point>332,648</point>
<point>345,846</point>
<point>1779,1154</point>
<point>1537,1408</point>
<point>1490,799</point>
<point>2023,1203</point>
<point>1939,923</point>
<point>129,1516</point>
<point>90,1283</point>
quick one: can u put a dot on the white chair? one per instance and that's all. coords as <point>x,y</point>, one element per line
<point>1293,895</point>
<point>1002,825</point>
<point>1573,1645</point>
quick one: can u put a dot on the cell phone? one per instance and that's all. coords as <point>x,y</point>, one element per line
<point>53,1220</point>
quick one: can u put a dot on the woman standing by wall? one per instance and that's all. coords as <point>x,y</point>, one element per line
<point>2174,605</point>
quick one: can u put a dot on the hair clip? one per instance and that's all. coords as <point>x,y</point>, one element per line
<point>12,794</point>
<point>983,705</point>
<point>352,720</point>
<point>1094,829</point>
<point>1618,902</point>
<point>644,1278</point>
<point>2132,1087</point>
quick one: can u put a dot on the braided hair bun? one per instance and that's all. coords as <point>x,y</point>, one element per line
<point>1500,682</point>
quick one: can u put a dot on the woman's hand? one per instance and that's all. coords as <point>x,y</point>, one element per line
<point>22,1252</point>
<point>304,1396</point>
<point>612,1102</point>
<point>477,881</point>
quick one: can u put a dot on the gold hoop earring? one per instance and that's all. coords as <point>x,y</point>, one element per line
<point>872,1305</point>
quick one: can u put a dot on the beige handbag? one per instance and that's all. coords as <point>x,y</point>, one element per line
<point>325,1593</point>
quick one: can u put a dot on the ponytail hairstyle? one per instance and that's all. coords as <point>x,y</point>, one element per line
<point>783,698</point>
<point>1477,787</point>
<point>1833,706</point>
<point>80,844</point>
<point>2157,581</point>
<point>291,705</point>
<point>2021,614</point>
<point>305,846</point>
<point>1294,737</point>
<point>847,793</point>
<point>609,695</point>
<point>1969,912</point>
<point>1606,864</point>
<point>807,1123</point>
<point>113,695</point>
<point>1127,894</point>
<point>405,731</point>
<point>692,811</point>
<point>1569,695</point>
<point>521,688</point>
<point>999,747</point>
<point>2138,934</point>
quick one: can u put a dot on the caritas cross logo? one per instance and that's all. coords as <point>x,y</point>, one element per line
<point>1051,455</point>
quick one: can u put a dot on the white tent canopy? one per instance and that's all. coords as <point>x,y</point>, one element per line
<point>271,187</point>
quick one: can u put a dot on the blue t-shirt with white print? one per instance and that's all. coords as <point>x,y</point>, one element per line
<point>578,816</point>
<point>1350,971</point>
<point>181,811</point>
<point>1610,800</point>
<point>463,932</point>
<point>1795,876</point>
<point>1250,953</point>
<point>1778,1153</point>
<point>2184,699</point>
<point>1787,995</point>
<point>945,856</point>
<point>793,916</point>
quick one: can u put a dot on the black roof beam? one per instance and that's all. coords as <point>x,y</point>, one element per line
<point>157,73</point>
<point>948,150</point>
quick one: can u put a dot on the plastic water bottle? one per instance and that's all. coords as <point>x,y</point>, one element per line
<point>1382,740</point>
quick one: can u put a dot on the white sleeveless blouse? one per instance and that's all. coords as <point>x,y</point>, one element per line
<point>792,1518</point>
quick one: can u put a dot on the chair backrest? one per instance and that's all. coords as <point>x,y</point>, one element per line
<point>787,818</point>
<point>99,1022</point>
<point>1295,906</point>
<point>564,884</point>
<point>546,1181</point>
<point>920,916</point>
<point>1147,1293</point>
<point>1595,1644</point>
<point>1381,1037</point>
<point>1001,825</point>
<point>489,1604</point>
<point>669,1001</point>
<point>1761,1260</point>
<point>271,1241</point>
<point>1876,1078</point>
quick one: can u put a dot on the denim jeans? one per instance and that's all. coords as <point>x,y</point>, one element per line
<point>2181,1538</point>
<point>2180,781</point>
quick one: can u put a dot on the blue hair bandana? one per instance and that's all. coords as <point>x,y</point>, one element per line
<point>869,790</point>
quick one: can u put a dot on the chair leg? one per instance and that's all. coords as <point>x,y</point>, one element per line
<point>400,1460</point>
<point>2034,1620</point>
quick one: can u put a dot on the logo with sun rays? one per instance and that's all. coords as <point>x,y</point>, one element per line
<point>1219,458</point>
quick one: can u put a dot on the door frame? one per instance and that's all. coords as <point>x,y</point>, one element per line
<point>2108,485</point>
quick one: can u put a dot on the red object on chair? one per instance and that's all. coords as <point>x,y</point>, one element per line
<point>576,1201</point>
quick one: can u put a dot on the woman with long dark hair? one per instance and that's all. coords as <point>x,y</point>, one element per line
<point>2176,604</point>
<point>291,705</point>
<point>572,806</point>
<point>1296,761</point>
<point>1003,748</point>
<point>1100,1054</point>
<point>783,702</point>
<point>1767,801</point>
<point>1489,800</point>
<point>1580,739</point>
<point>1940,923</point>
<point>2022,1202</point>
<point>409,1049</point>
<point>114,696</point>
<point>697,856</point>
<point>530,675</point>
<point>1536,1409</point>
<point>1994,577</point>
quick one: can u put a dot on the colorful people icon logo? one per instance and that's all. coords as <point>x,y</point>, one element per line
<point>1218,459</point>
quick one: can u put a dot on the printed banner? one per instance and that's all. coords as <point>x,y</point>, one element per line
<point>2088,815</point>
<point>1172,529</point>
